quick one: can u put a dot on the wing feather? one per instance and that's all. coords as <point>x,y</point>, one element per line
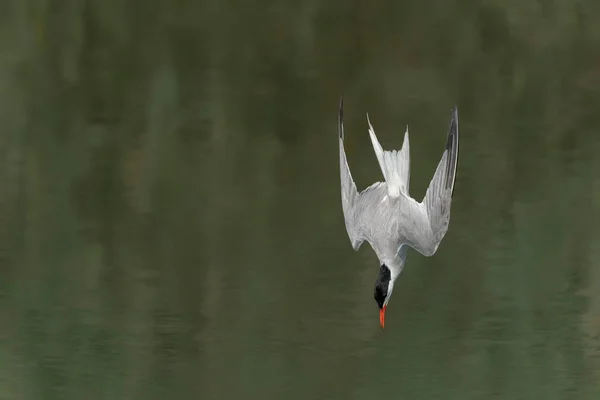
<point>349,192</point>
<point>438,199</point>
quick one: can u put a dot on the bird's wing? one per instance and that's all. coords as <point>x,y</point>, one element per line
<point>349,193</point>
<point>426,223</point>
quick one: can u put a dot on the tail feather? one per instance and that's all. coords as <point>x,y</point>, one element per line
<point>394,164</point>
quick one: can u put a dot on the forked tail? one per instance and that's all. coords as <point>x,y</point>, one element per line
<point>394,164</point>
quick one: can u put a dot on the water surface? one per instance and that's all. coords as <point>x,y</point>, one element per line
<point>170,202</point>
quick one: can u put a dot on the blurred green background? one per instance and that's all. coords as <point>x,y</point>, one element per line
<point>170,215</point>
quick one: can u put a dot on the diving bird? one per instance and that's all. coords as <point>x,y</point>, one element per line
<point>386,216</point>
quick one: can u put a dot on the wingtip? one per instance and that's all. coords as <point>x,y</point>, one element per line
<point>452,146</point>
<point>341,118</point>
<point>453,124</point>
<point>371,130</point>
<point>455,113</point>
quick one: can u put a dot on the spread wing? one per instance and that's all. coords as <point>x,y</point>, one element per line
<point>434,210</point>
<point>349,192</point>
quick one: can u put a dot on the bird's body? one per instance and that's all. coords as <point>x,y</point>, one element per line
<point>386,216</point>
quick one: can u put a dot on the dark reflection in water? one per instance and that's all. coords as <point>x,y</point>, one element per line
<point>170,205</point>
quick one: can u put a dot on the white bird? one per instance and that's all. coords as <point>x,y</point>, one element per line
<point>386,216</point>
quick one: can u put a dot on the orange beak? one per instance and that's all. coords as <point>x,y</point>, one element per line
<point>382,316</point>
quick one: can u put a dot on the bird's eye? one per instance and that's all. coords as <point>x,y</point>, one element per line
<point>379,296</point>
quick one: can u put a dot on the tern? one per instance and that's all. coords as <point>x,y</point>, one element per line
<point>386,216</point>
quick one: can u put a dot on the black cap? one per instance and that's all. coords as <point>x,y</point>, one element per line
<point>381,285</point>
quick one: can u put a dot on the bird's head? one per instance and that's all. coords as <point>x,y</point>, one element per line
<point>383,290</point>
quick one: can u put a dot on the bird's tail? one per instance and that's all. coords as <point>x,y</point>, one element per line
<point>394,164</point>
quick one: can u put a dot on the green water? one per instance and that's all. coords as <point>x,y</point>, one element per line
<point>170,215</point>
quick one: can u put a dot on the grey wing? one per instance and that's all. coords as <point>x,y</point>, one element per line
<point>427,222</point>
<point>349,192</point>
